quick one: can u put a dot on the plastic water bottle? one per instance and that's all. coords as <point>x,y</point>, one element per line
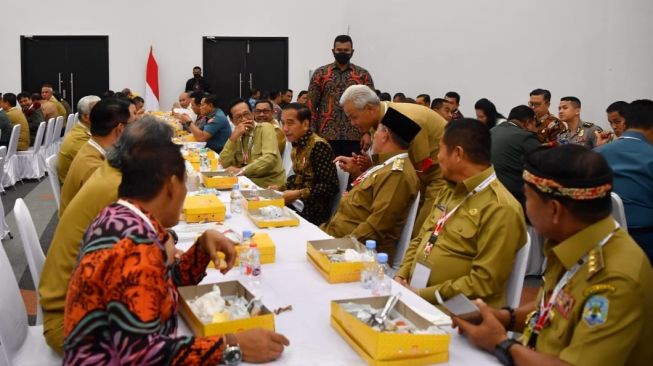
<point>236,205</point>
<point>381,284</point>
<point>205,164</point>
<point>368,258</point>
<point>244,248</point>
<point>253,265</point>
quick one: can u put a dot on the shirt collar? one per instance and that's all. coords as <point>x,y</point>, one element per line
<point>472,182</point>
<point>303,141</point>
<point>572,249</point>
<point>381,158</point>
<point>350,66</point>
<point>636,134</point>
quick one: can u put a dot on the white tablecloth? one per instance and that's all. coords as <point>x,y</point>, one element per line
<point>292,280</point>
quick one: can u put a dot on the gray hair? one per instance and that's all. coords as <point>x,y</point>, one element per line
<point>146,130</point>
<point>360,95</point>
<point>84,104</point>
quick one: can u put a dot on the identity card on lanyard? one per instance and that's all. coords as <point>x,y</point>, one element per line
<point>421,274</point>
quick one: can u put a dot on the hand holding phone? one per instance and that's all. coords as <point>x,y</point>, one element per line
<point>462,307</point>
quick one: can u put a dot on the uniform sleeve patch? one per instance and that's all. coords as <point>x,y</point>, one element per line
<point>595,311</point>
<point>595,289</point>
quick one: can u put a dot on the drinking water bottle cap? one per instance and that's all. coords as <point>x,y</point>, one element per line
<point>253,245</point>
<point>382,258</point>
<point>370,244</point>
<point>236,187</point>
<point>247,234</point>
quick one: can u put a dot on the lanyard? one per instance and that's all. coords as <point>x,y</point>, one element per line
<point>373,169</point>
<point>250,143</point>
<point>138,212</point>
<point>545,310</point>
<point>439,225</point>
<point>97,146</point>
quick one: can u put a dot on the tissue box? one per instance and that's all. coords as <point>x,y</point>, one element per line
<point>288,219</point>
<point>219,180</point>
<point>265,246</point>
<point>334,272</point>
<point>264,320</point>
<point>204,208</point>
<point>254,200</point>
<point>379,348</point>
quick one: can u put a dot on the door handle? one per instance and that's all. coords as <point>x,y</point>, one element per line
<point>59,84</point>
<point>240,85</point>
<point>72,89</point>
<point>63,95</point>
<point>250,82</point>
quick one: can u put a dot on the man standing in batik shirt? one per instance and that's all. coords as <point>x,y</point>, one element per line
<point>548,126</point>
<point>327,85</point>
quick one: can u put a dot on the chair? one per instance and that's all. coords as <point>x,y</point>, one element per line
<point>516,281</point>
<point>618,211</point>
<point>32,165</point>
<point>46,147</point>
<point>56,135</point>
<point>31,246</point>
<point>53,176</point>
<point>12,169</point>
<point>70,123</point>
<point>404,237</point>
<point>343,180</point>
<point>286,158</point>
<point>20,344</point>
<point>3,155</point>
<point>4,228</point>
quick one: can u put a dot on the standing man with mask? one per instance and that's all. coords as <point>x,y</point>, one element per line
<point>327,85</point>
<point>197,82</point>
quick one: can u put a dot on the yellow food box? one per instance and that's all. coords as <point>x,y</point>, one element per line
<point>219,180</point>
<point>194,159</point>
<point>264,320</point>
<point>265,246</point>
<point>206,208</point>
<point>390,349</point>
<point>335,272</point>
<point>253,200</point>
<point>288,219</point>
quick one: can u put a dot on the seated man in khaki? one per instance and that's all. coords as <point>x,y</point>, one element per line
<point>264,113</point>
<point>76,137</point>
<point>108,120</point>
<point>252,148</point>
<point>16,117</point>
<point>468,243</point>
<point>99,191</point>
<point>377,205</point>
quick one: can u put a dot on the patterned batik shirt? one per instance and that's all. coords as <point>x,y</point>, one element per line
<point>315,176</point>
<point>121,304</point>
<point>549,127</point>
<point>327,85</point>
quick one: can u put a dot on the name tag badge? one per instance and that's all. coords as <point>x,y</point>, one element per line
<point>420,276</point>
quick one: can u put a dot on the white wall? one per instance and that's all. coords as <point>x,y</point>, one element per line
<point>598,50</point>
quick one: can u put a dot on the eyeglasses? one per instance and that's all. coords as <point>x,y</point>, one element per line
<point>260,111</point>
<point>243,116</point>
<point>534,104</point>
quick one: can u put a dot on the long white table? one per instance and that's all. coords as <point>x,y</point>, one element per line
<point>292,280</point>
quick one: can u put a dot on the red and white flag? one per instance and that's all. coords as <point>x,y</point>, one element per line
<point>152,84</point>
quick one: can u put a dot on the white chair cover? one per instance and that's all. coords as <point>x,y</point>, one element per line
<point>618,212</point>
<point>53,177</point>
<point>516,281</point>
<point>11,168</point>
<point>343,180</point>
<point>4,228</point>
<point>404,237</point>
<point>20,344</point>
<point>3,155</point>
<point>287,161</point>
<point>32,246</point>
<point>46,147</point>
<point>70,122</point>
<point>30,162</point>
<point>56,135</point>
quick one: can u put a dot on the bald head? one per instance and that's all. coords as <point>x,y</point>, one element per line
<point>184,100</point>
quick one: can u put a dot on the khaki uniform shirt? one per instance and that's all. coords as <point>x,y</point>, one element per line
<point>583,135</point>
<point>475,252</point>
<point>99,191</point>
<point>87,160</point>
<point>604,315</point>
<point>49,110</point>
<point>265,167</point>
<point>424,147</point>
<point>74,140</point>
<point>281,137</point>
<point>61,110</point>
<point>549,127</point>
<point>16,117</point>
<point>376,208</point>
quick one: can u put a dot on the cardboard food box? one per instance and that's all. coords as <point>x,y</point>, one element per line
<point>207,208</point>
<point>385,349</point>
<point>253,200</point>
<point>288,219</point>
<point>265,246</point>
<point>194,159</point>
<point>219,180</point>
<point>335,272</point>
<point>264,320</point>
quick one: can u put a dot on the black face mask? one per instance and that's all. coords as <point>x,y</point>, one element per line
<point>342,58</point>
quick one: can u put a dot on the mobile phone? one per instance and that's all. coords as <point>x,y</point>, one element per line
<point>462,307</point>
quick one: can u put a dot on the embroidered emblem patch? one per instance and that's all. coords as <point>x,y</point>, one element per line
<point>601,287</point>
<point>565,303</point>
<point>595,311</point>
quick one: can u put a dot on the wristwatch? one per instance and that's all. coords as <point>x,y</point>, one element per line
<point>231,355</point>
<point>502,352</point>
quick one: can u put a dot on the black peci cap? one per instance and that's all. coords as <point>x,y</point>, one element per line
<point>401,125</point>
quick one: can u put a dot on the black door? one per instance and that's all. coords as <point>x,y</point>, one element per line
<point>234,65</point>
<point>76,66</point>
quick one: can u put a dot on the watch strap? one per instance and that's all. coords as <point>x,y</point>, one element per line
<point>502,352</point>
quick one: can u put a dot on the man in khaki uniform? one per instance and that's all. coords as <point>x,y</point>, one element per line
<point>377,205</point>
<point>76,137</point>
<point>48,108</point>
<point>263,113</point>
<point>474,250</point>
<point>47,93</point>
<point>252,149</point>
<point>16,117</point>
<point>595,305</point>
<point>364,109</point>
<point>578,132</point>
